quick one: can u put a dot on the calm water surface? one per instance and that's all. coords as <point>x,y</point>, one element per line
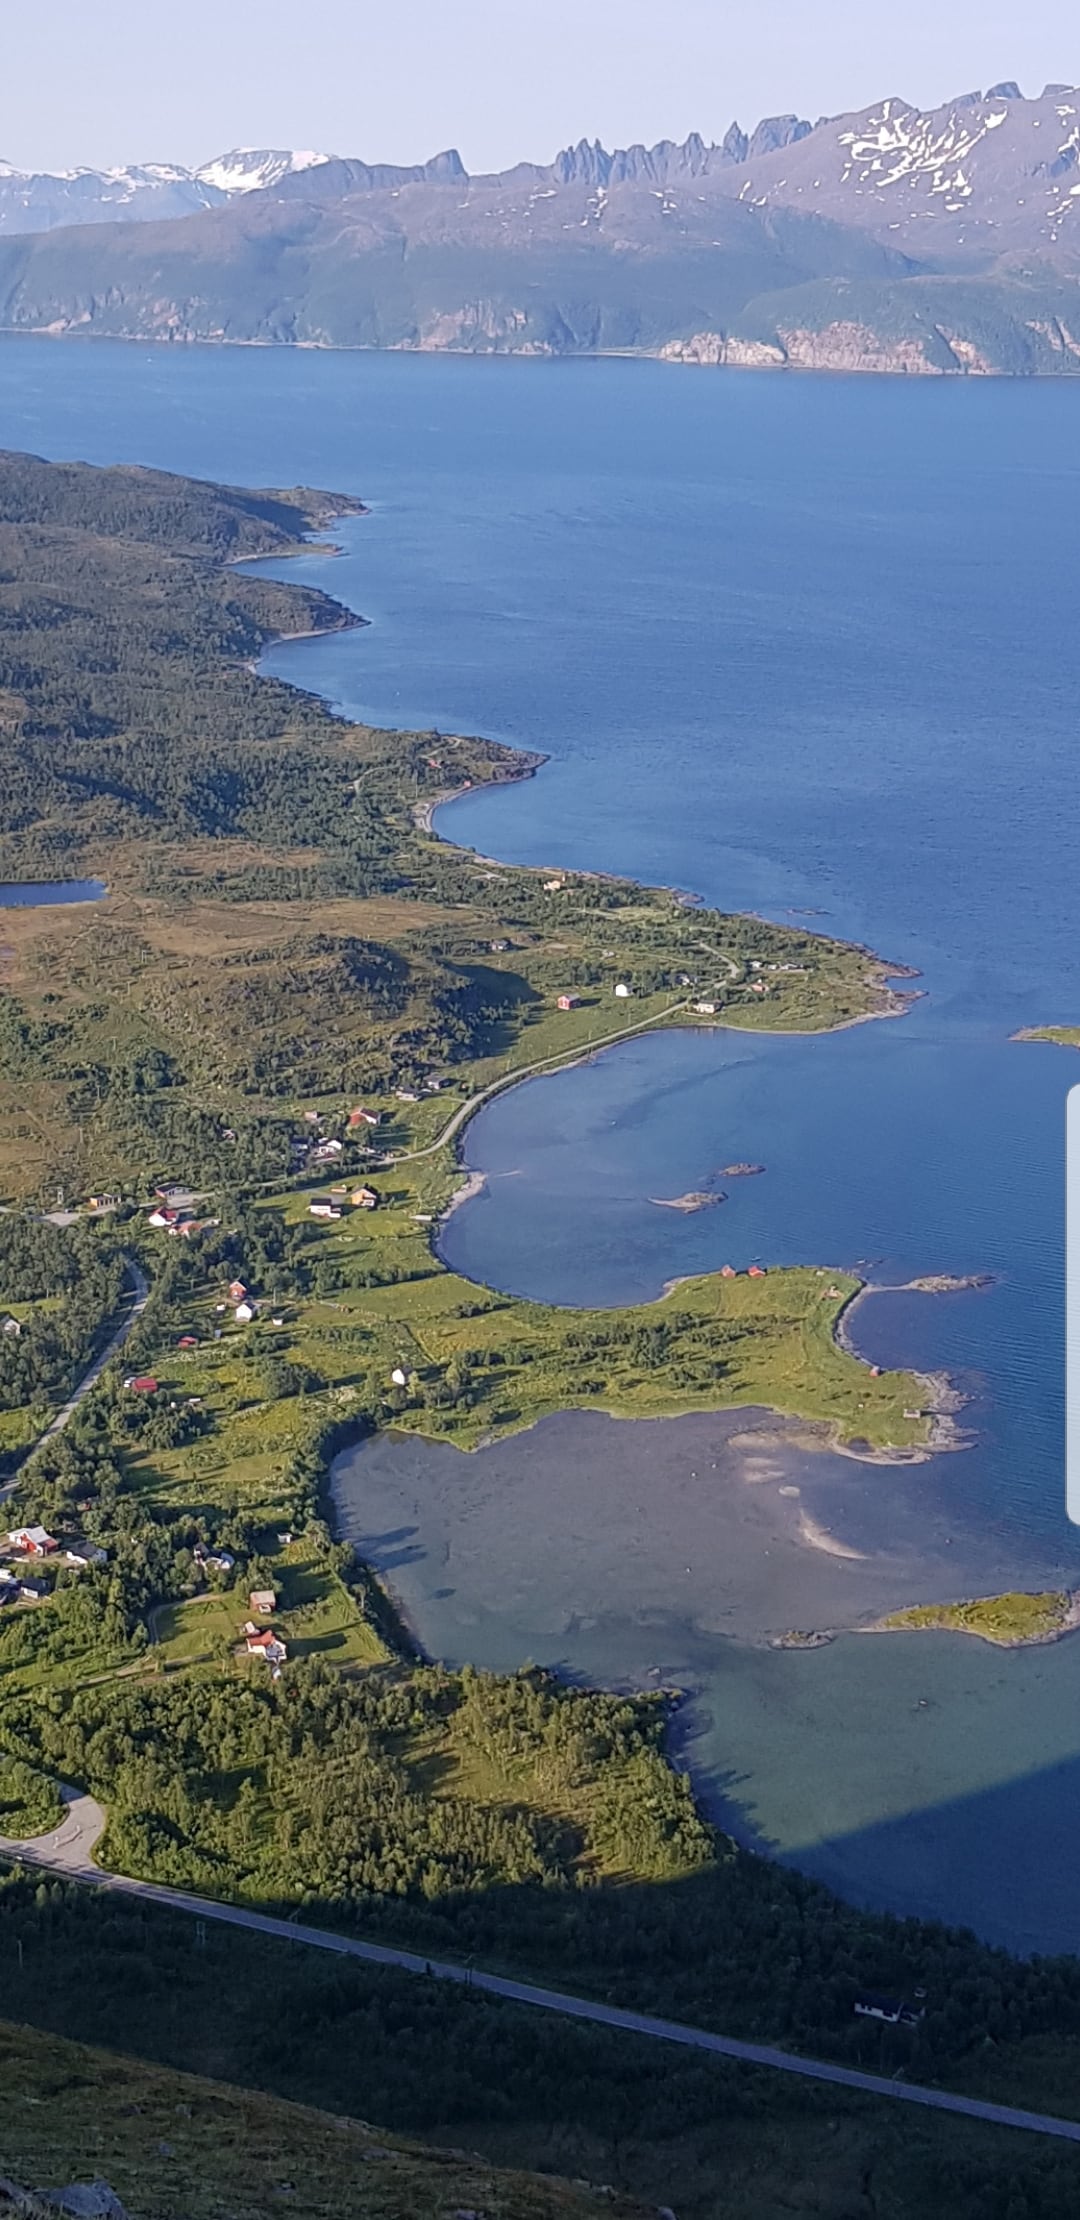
<point>802,646</point>
<point>42,894</point>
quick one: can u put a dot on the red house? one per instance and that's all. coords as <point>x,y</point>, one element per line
<point>33,1541</point>
<point>263,1642</point>
<point>756,1272</point>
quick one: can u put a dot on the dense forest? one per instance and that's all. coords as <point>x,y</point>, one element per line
<point>64,1291</point>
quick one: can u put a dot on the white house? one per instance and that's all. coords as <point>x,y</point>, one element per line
<point>622,992</point>
<point>244,1313</point>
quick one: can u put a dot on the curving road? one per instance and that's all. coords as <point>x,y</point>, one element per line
<point>69,1850</point>
<point>140,1292</point>
<point>560,1061</point>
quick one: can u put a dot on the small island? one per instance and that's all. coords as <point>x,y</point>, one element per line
<point>1059,1036</point>
<point>1014,1621</point>
<point>697,1199</point>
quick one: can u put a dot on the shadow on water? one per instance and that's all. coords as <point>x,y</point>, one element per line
<point>1001,1861</point>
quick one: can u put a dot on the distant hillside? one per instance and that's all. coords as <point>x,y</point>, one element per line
<point>176,2147</point>
<point>891,239</point>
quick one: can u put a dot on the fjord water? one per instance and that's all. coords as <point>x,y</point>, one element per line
<point>806,646</point>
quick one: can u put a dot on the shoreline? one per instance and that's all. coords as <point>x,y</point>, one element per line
<point>942,1399</point>
<point>786,367</point>
<point>423,813</point>
<point>524,765</point>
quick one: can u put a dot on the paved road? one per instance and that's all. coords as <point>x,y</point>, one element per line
<point>69,1851</point>
<point>140,1290</point>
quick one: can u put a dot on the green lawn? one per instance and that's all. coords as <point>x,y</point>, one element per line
<point>198,1628</point>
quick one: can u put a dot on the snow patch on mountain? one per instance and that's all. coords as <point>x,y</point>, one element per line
<point>254,170</point>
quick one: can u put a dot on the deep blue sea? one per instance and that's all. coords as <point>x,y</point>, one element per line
<point>806,646</point>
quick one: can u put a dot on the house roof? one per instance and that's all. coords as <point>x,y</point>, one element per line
<point>36,1536</point>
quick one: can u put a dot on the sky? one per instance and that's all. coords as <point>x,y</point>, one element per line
<point>110,81</point>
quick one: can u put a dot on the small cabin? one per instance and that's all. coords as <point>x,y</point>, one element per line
<point>569,1001</point>
<point>892,2011</point>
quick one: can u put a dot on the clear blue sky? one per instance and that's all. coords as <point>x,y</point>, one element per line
<point>106,81</point>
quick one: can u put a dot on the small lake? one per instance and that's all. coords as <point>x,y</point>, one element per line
<point>43,894</point>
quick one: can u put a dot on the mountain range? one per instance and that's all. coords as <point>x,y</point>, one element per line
<point>890,238</point>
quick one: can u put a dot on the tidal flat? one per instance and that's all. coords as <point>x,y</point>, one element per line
<point>589,1539</point>
<point>937,1776</point>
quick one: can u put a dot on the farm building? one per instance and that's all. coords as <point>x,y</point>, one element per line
<point>33,1541</point>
